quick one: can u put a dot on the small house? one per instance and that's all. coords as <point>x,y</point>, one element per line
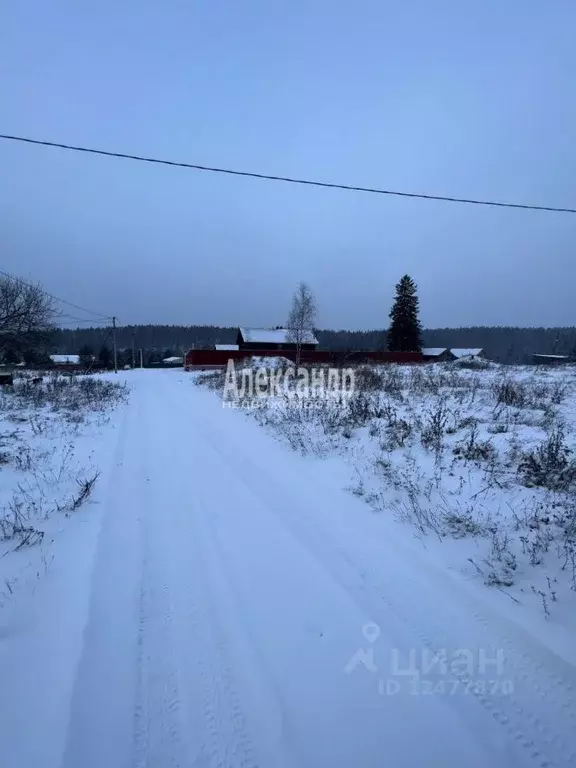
<point>551,359</point>
<point>437,354</point>
<point>475,353</point>
<point>227,347</point>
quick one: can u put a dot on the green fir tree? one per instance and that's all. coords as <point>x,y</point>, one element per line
<point>405,332</point>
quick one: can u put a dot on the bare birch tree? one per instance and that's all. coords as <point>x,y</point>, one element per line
<point>26,315</point>
<point>302,319</point>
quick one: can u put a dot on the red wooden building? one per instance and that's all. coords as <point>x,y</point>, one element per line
<point>275,342</point>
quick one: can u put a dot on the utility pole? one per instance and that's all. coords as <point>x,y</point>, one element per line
<point>114,345</point>
<point>133,350</point>
<point>141,358</point>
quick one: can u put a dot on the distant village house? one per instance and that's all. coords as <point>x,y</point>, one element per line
<point>259,339</point>
<point>437,354</point>
<point>551,359</point>
<point>444,355</point>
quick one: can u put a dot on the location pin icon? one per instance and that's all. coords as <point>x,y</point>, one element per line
<point>371,632</point>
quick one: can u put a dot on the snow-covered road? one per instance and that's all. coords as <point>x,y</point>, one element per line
<point>227,606</point>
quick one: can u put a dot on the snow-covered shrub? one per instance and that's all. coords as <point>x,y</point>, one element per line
<point>508,391</point>
<point>459,523</point>
<point>434,427</point>
<point>473,363</point>
<point>368,379</point>
<point>474,449</point>
<point>211,379</point>
<point>360,409</point>
<point>392,380</point>
<point>549,465</point>
<point>398,432</point>
<point>427,379</point>
<point>558,392</point>
<point>69,393</point>
<point>501,561</point>
<point>412,509</point>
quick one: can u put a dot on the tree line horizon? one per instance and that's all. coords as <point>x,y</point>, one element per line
<point>28,333</point>
<point>505,344</point>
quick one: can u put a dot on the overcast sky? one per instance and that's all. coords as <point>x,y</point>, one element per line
<point>445,97</point>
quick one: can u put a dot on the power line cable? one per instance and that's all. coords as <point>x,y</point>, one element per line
<point>287,179</point>
<point>66,316</point>
<point>75,324</point>
<point>56,298</point>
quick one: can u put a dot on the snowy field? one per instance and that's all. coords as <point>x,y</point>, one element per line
<point>479,459</point>
<point>221,600</point>
<point>51,450</point>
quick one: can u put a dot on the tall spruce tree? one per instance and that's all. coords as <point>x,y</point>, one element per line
<point>405,332</point>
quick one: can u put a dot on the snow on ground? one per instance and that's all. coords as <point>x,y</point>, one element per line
<point>478,458</point>
<point>50,454</point>
<point>223,602</point>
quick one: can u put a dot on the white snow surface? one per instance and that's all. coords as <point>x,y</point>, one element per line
<point>65,359</point>
<point>433,351</point>
<point>223,603</point>
<point>458,353</point>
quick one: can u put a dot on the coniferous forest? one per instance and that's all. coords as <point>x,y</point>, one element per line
<point>502,344</point>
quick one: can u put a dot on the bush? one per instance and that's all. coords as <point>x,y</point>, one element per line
<point>392,381</point>
<point>70,393</point>
<point>510,392</point>
<point>397,433</point>
<point>461,523</point>
<point>473,449</point>
<point>367,379</point>
<point>435,426</point>
<point>558,392</point>
<point>501,561</point>
<point>548,465</point>
<point>360,410</point>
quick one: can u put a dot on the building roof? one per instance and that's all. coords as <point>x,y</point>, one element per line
<point>458,353</point>
<point>173,360</point>
<point>553,357</point>
<point>64,359</point>
<point>434,351</point>
<point>226,347</point>
<point>274,336</point>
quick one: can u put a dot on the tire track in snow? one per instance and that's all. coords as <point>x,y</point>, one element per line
<point>525,669</point>
<point>508,712</point>
<point>202,705</point>
<point>207,663</point>
<point>102,705</point>
<point>160,732</point>
<point>364,596</point>
<point>514,721</point>
<point>158,728</point>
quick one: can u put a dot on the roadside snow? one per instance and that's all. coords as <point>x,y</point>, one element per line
<point>53,436</point>
<point>480,461</point>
